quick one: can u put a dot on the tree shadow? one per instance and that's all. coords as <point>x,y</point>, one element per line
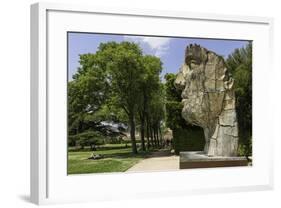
<point>147,154</point>
<point>113,148</point>
<point>160,153</point>
<point>126,155</point>
<point>99,148</point>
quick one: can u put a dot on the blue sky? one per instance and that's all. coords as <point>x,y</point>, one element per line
<point>169,49</point>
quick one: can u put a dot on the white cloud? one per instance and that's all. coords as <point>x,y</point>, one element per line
<point>158,45</point>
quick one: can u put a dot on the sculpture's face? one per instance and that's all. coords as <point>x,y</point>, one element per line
<point>208,99</point>
<point>193,98</point>
<point>202,85</point>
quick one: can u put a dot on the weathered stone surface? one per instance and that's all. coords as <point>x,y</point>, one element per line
<point>208,99</point>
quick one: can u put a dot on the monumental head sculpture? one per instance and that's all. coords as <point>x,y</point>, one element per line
<point>208,99</point>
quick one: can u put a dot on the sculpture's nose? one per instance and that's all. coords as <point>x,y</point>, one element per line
<point>180,81</point>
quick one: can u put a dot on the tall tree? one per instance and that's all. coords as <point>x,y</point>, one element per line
<point>157,114</point>
<point>174,106</point>
<point>240,65</point>
<point>123,61</point>
<point>86,94</point>
<point>150,84</point>
<point>117,83</point>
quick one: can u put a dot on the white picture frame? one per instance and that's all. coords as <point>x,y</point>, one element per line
<point>49,180</point>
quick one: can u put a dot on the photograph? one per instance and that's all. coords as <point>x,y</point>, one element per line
<point>143,103</point>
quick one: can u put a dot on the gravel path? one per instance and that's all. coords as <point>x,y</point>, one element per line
<point>158,161</point>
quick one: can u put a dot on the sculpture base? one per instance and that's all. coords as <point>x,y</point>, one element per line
<point>201,160</point>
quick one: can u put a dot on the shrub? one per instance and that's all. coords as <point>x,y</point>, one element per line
<point>89,138</point>
<point>191,139</point>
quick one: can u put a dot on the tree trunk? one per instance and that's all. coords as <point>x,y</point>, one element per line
<point>145,118</point>
<point>147,134</point>
<point>132,133</point>
<point>142,133</point>
<point>160,134</point>
<point>154,137</point>
<point>157,136</point>
<point>151,135</point>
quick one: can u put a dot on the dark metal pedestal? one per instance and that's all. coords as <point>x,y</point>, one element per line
<point>201,160</point>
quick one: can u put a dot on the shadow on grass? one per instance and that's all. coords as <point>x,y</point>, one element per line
<point>100,148</point>
<point>140,154</point>
<point>127,155</point>
<point>160,153</point>
<point>113,147</point>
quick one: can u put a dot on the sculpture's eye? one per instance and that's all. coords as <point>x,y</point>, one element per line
<point>193,76</point>
<point>188,60</point>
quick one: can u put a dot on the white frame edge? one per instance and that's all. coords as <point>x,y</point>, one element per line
<point>38,87</point>
<point>39,76</point>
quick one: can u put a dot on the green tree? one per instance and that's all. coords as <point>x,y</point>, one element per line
<point>86,94</point>
<point>157,115</point>
<point>174,106</point>
<point>185,137</point>
<point>123,62</point>
<point>117,84</point>
<point>149,86</point>
<point>240,65</point>
<point>89,138</point>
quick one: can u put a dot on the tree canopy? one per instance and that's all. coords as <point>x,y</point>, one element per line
<point>116,84</point>
<point>240,65</point>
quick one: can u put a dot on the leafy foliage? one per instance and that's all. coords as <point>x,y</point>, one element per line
<point>150,106</point>
<point>89,138</point>
<point>174,106</point>
<point>240,65</point>
<point>86,93</point>
<point>185,137</point>
<point>188,139</point>
<point>115,84</point>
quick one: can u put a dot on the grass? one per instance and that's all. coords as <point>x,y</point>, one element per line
<point>117,158</point>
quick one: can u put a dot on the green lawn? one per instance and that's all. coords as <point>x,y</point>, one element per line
<point>117,158</point>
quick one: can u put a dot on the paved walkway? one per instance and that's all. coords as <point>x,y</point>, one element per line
<point>157,161</point>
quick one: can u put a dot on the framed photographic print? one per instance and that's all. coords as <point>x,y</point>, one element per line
<point>133,103</point>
